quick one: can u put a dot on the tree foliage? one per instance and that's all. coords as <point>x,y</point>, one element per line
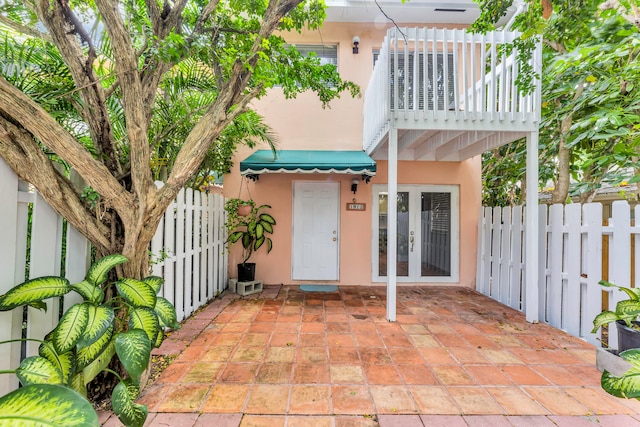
<point>590,117</point>
<point>121,91</point>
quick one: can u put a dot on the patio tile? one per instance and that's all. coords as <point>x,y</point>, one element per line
<point>488,375</point>
<point>311,373</point>
<point>217,353</point>
<point>313,327</point>
<point>523,375</point>
<point>226,398</point>
<point>218,420</point>
<point>174,372</point>
<point>375,356</point>
<point>474,400</point>
<point>268,399</point>
<point>405,356</point>
<point>443,421</point>
<point>154,394</point>
<point>274,373</point>
<point>453,375</point>
<point>239,373</point>
<point>351,400</point>
<point>355,421</point>
<point>306,421</point>
<point>437,356</point>
<point>433,400</point>
<point>417,374</point>
<point>559,375</point>
<point>556,401</point>
<point>499,356</point>
<point>427,341</point>
<point>184,398</point>
<point>228,338</point>
<point>255,339</point>
<point>486,421</point>
<point>392,400</point>
<point>310,400</point>
<point>515,402</point>
<point>312,355</point>
<point>382,374</point>
<point>173,420</point>
<point>337,327</point>
<point>340,340</point>
<point>531,421</point>
<point>343,355</point>
<point>280,355</point>
<point>248,354</point>
<point>400,421</point>
<point>368,340</point>
<point>347,374</point>
<point>597,400</point>
<point>312,340</point>
<point>262,421</point>
<point>203,372</point>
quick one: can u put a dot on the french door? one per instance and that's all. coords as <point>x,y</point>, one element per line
<point>428,233</point>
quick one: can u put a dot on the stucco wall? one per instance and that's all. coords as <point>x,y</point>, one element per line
<point>302,124</point>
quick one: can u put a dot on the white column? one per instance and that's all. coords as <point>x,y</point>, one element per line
<point>392,223</point>
<point>531,231</point>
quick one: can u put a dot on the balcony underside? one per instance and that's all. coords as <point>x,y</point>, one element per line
<point>444,145</point>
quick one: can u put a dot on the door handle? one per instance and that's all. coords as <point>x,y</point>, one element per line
<point>411,241</point>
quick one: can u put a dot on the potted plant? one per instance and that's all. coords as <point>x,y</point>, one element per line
<point>625,316</point>
<point>249,227</point>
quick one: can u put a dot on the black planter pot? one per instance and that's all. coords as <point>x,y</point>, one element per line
<point>627,337</point>
<point>247,272</point>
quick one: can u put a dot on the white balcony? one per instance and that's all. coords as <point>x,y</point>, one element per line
<point>450,94</point>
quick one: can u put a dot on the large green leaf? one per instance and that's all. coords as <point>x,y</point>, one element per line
<point>99,363</point>
<point>34,291</point>
<point>70,328</point>
<point>136,292</point>
<point>77,383</point>
<point>145,319</point>
<point>628,384</point>
<point>98,271</point>
<point>166,313</point>
<point>602,319</point>
<point>38,370</point>
<point>87,355</point>
<point>65,363</point>
<point>155,282</point>
<point>89,292</point>
<point>100,319</point>
<point>122,400</point>
<point>134,351</point>
<point>628,308</point>
<point>46,405</point>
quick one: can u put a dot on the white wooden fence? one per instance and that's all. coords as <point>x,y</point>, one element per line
<point>576,250</point>
<point>190,237</point>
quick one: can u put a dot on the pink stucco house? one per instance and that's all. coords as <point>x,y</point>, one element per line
<point>398,167</point>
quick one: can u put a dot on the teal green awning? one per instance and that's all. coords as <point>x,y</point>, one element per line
<point>308,161</point>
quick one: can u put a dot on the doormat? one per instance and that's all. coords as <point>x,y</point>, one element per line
<point>318,288</point>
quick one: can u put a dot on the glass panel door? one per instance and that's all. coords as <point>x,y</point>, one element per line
<point>427,244</point>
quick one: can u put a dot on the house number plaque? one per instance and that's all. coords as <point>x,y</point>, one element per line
<point>356,206</point>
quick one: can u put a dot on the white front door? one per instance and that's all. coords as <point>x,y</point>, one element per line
<point>428,236</point>
<point>315,230</point>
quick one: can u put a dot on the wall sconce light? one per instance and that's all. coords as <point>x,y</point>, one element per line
<point>354,185</point>
<point>356,42</point>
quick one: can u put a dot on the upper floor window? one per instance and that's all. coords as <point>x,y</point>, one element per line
<point>444,86</point>
<point>328,54</point>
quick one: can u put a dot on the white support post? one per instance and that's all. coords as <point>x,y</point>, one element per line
<point>531,231</point>
<point>392,223</point>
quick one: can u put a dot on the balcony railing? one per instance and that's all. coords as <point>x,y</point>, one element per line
<point>427,78</point>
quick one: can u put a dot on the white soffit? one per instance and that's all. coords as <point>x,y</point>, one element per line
<point>411,11</point>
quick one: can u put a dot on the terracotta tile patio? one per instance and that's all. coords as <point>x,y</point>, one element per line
<point>453,358</point>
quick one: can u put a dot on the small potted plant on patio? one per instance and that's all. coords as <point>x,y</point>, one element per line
<point>625,316</point>
<point>249,227</point>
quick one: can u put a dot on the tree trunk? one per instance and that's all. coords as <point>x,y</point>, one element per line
<point>560,192</point>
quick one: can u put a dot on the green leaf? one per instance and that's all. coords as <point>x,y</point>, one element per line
<point>155,282</point>
<point>235,236</point>
<point>269,245</point>
<point>77,383</point>
<point>70,328</point>
<point>628,308</point>
<point>89,292</point>
<point>34,291</point>
<point>258,243</point>
<point>268,228</point>
<point>87,355</point>
<point>166,313</point>
<point>38,370</point>
<point>145,319</point>
<point>65,363</point>
<point>602,319</point>
<point>100,319</point>
<point>259,230</point>
<point>46,405</point>
<point>98,271</point>
<point>130,414</point>
<point>99,363</point>
<point>267,218</point>
<point>134,351</point>
<point>136,292</point>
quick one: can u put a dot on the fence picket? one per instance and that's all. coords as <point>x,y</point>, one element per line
<point>505,253</point>
<point>593,269</point>
<point>572,251</point>
<point>554,276</point>
<point>517,233</point>
<point>495,253</point>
